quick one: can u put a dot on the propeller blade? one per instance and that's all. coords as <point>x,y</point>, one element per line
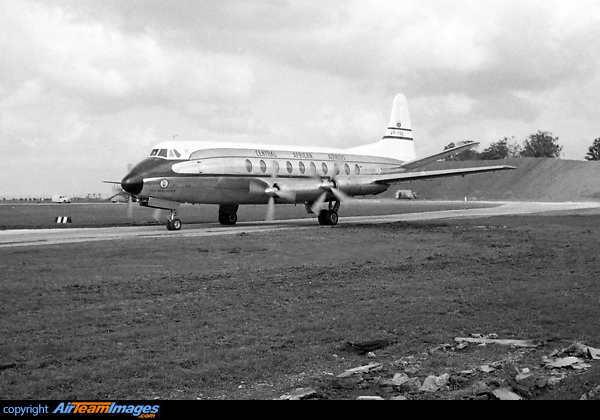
<point>270,209</point>
<point>129,206</point>
<point>256,188</point>
<point>342,196</point>
<point>316,207</point>
<point>287,195</point>
<point>335,172</point>
<point>157,215</point>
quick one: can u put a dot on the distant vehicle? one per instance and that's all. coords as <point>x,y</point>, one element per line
<point>119,198</point>
<point>57,198</point>
<point>406,195</point>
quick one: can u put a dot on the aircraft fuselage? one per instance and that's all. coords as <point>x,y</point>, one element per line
<point>224,176</point>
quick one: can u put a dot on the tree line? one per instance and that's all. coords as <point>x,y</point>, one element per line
<point>540,144</point>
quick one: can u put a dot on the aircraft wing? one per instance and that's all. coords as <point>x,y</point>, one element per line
<point>393,178</point>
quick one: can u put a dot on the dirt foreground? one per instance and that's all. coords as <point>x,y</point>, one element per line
<point>286,314</point>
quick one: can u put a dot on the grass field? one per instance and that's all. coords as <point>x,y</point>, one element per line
<point>27,216</point>
<point>258,315</point>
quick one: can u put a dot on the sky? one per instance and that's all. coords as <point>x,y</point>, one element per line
<point>87,87</point>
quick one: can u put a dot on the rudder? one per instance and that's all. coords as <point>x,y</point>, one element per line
<point>397,141</point>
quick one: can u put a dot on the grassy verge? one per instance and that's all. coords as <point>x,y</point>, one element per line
<point>258,315</point>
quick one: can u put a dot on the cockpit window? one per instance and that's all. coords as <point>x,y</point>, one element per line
<point>166,153</point>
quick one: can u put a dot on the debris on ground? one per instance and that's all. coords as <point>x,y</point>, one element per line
<point>488,340</point>
<point>411,377</point>
<point>434,383</point>
<point>506,394</point>
<point>594,393</point>
<point>574,357</point>
<point>565,362</point>
<point>299,394</point>
<point>361,369</point>
<point>397,380</point>
<point>580,350</point>
<point>365,347</point>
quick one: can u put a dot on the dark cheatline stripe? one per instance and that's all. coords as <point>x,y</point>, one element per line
<point>398,138</point>
<point>399,128</point>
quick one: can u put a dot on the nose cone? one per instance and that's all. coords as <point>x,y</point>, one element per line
<point>133,184</point>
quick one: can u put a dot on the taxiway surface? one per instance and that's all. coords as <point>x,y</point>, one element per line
<point>38,237</point>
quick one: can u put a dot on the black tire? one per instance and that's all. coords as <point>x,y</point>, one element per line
<point>322,220</point>
<point>174,224</point>
<point>328,217</point>
<point>332,218</point>
<point>228,218</point>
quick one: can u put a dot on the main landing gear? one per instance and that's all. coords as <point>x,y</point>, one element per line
<point>173,223</point>
<point>228,218</point>
<point>228,214</point>
<point>329,217</point>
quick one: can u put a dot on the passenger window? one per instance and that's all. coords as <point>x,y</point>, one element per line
<point>302,167</point>
<point>324,168</point>
<point>313,168</point>
<point>275,166</point>
<point>248,165</point>
<point>289,167</point>
<point>357,169</point>
<point>347,169</point>
<point>263,166</point>
<point>336,168</point>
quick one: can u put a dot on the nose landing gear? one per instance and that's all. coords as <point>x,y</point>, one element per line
<point>173,223</point>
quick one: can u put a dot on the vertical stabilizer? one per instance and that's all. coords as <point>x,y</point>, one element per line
<point>397,142</point>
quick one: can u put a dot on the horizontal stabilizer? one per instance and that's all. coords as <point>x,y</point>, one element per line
<point>438,156</point>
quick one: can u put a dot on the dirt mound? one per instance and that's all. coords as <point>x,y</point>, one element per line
<point>536,179</point>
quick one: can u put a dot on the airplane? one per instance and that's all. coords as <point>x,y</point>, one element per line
<point>234,174</point>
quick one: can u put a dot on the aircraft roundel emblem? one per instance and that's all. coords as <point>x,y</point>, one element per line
<point>399,124</point>
<point>164,183</point>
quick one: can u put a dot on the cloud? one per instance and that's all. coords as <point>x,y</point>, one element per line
<point>98,76</point>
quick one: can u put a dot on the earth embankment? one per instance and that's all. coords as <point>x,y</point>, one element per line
<point>535,179</point>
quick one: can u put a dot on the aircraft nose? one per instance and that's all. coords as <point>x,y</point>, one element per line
<point>133,184</point>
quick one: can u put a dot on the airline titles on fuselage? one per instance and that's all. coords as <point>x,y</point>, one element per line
<point>299,155</point>
<point>266,153</point>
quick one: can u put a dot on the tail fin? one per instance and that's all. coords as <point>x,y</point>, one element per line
<point>397,142</point>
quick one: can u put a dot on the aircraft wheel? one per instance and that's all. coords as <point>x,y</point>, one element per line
<point>174,224</point>
<point>228,218</point>
<point>322,217</point>
<point>328,217</point>
<point>332,218</point>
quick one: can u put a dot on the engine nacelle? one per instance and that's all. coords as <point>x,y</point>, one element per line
<point>353,187</point>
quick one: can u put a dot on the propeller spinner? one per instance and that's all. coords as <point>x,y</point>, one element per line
<point>273,191</point>
<point>327,185</point>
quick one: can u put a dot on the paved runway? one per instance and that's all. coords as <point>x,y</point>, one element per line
<point>37,237</point>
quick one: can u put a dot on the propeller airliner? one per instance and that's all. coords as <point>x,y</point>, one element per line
<point>234,174</point>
